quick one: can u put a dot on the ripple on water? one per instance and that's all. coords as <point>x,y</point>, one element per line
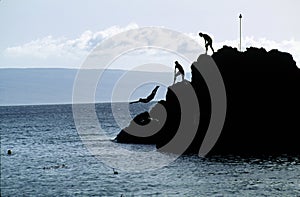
<point>48,158</point>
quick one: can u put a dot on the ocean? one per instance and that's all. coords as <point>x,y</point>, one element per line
<point>50,158</point>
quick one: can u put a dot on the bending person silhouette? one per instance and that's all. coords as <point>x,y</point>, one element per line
<point>149,98</point>
<point>208,41</point>
<point>179,72</point>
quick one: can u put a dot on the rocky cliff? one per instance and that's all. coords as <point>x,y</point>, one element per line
<point>263,108</point>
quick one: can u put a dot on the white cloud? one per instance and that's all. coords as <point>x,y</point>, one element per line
<point>47,47</point>
<point>291,46</point>
<point>64,52</point>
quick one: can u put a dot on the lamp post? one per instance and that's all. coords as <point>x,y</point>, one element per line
<point>240,32</point>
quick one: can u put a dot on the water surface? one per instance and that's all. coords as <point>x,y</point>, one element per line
<point>49,159</point>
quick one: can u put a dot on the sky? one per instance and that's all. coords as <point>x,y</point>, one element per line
<point>61,33</point>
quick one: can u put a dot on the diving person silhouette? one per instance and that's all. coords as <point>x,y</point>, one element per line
<point>149,98</point>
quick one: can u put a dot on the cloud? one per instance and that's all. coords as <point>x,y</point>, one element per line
<point>291,46</point>
<point>66,53</point>
<point>60,51</point>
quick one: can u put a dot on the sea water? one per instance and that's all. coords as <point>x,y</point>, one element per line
<point>50,159</point>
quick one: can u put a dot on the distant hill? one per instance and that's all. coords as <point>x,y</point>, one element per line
<point>47,86</point>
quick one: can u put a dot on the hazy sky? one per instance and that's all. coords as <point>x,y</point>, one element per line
<point>55,33</point>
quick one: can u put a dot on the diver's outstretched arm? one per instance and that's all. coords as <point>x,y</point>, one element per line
<point>134,102</point>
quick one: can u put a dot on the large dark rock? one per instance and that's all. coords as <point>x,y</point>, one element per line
<point>263,107</point>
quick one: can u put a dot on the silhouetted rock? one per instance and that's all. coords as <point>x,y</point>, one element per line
<point>262,102</point>
<point>263,106</point>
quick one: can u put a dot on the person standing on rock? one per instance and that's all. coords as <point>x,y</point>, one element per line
<point>179,72</point>
<point>208,41</point>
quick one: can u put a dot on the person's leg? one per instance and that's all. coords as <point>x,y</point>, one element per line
<point>175,78</point>
<point>212,48</point>
<point>206,47</point>
<point>177,74</point>
<point>182,75</point>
